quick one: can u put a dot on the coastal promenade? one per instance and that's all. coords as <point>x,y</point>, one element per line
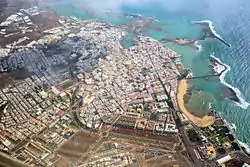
<point>205,121</point>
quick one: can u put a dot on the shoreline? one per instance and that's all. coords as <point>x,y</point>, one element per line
<point>241,102</point>
<point>211,30</point>
<point>205,121</point>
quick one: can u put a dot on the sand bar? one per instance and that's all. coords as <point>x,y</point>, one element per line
<point>200,122</point>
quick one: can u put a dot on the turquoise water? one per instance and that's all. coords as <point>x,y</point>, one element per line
<point>127,41</point>
<point>176,30</point>
<point>231,20</point>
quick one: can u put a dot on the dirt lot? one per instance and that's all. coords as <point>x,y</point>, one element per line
<point>78,145</point>
<point>137,133</point>
<point>166,161</point>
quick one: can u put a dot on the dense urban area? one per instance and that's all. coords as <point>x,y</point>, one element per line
<point>71,95</point>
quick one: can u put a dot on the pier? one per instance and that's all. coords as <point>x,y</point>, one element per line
<point>205,76</point>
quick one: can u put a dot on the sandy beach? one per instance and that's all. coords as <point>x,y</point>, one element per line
<point>200,122</point>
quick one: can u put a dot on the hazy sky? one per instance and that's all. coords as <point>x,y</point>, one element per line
<point>211,7</point>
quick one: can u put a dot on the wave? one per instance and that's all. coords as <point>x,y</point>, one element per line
<point>74,18</point>
<point>155,20</point>
<point>242,102</point>
<point>232,128</point>
<point>245,145</point>
<point>133,15</point>
<point>212,30</point>
<point>107,11</point>
<point>199,46</point>
<point>211,26</point>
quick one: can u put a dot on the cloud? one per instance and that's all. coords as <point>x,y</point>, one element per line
<point>114,5</point>
<point>198,7</point>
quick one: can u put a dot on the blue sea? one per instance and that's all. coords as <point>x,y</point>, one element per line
<point>231,20</point>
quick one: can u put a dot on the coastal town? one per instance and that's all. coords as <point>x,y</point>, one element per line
<point>73,96</point>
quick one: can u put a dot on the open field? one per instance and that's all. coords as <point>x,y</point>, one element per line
<point>168,160</point>
<point>79,144</point>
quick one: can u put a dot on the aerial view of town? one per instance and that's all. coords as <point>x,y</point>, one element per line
<point>72,95</point>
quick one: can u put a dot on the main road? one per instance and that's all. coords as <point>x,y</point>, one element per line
<point>188,145</point>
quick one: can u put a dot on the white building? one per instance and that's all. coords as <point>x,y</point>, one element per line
<point>224,159</point>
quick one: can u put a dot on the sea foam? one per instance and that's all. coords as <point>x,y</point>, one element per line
<point>152,18</point>
<point>245,145</point>
<point>232,128</point>
<point>211,26</point>
<point>74,18</point>
<point>242,102</point>
<point>198,45</point>
<point>212,30</point>
<point>107,11</point>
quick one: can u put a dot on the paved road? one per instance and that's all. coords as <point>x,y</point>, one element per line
<point>189,147</point>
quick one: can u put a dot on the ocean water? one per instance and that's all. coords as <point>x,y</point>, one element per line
<point>231,19</point>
